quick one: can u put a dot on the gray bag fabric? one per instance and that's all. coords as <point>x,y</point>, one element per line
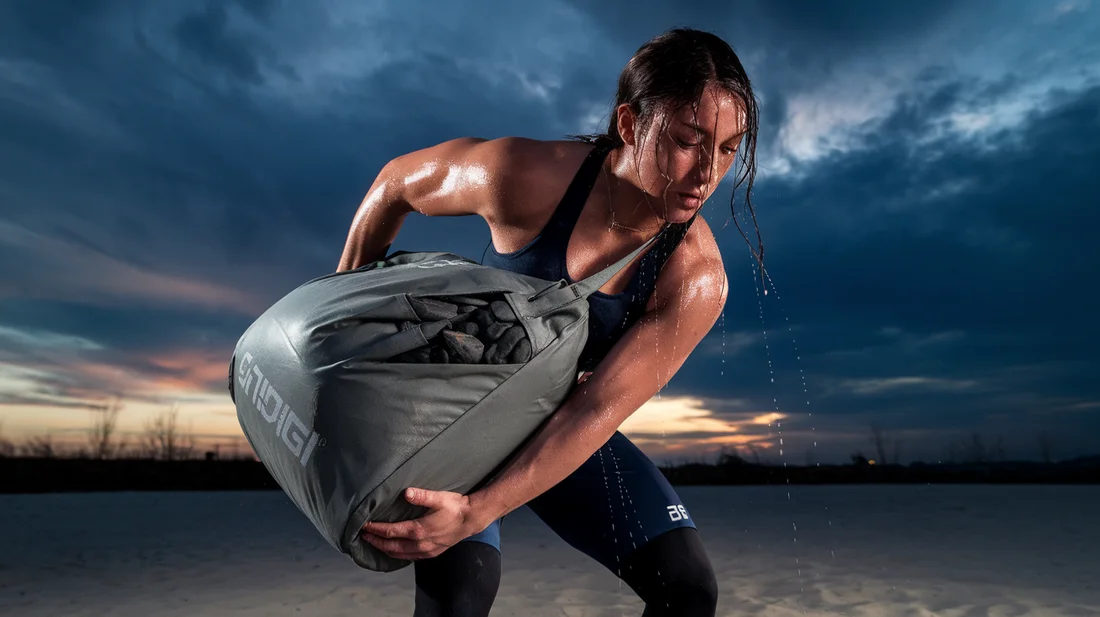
<point>359,384</point>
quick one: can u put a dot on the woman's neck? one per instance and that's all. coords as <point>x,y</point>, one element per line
<point>629,209</point>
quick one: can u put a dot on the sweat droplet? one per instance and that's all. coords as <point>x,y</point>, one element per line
<point>762,291</point>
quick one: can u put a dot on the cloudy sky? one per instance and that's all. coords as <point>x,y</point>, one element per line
<point>926,194</point>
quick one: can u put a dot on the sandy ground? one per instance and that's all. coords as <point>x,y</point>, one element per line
<point>952,551</point>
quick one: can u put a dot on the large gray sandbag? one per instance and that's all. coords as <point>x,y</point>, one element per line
<point>349,395</point>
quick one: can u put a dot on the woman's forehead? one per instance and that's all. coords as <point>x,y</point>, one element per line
<point>723,112</point>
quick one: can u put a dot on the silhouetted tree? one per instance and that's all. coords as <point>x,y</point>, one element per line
<point>880,440</point>
<point>40,446</point>
<point>878,437</point>
<point>163,438</point>
<point>730,457</point>
<point>754,452</point>
<point>7,448</point>
<point>102,432</point>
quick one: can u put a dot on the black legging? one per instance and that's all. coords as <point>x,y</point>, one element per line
<point>671,574</point>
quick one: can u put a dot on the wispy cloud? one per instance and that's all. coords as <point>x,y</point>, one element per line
<point>912,341</point>
<point>908,384</point>
<point>24,340</point>
<point>1071,6</point>
<point>670,425</point>
<point>82,274</point>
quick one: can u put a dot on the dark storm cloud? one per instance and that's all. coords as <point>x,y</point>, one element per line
<point>130,329</point>
<point>204,34</point>
<point>1012,234</point>
<point>828,28</point>
<point>227,164</point>
<point>160,195</point>
<point>949,313</point>
<point>784,46</point>
<point>170,169</point>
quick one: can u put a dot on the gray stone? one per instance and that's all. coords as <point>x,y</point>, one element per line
<point>463,347</point>
<point>508,341</point>
<point>428,309</point>
<point>483,318</point>
<point>521,352</point>
<point>497,329</point>
<point>439,355</point>
<point>502,311</point>
<point>490,353</point>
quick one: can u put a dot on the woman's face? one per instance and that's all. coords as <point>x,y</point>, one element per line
<point>684,153</point>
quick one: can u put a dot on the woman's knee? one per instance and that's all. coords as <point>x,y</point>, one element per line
<point>691,589</point>
<point>461,582</point>
<point>673,575</point>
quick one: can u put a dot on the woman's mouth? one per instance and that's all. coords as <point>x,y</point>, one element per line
<point>691,200</point>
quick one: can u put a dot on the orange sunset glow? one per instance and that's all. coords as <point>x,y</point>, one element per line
<point>193,381</point>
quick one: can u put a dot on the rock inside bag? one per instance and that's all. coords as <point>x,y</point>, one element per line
<point>479,331</point>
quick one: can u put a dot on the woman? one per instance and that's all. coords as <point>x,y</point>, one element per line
<point>566,209</point>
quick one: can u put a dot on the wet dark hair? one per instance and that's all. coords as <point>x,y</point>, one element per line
<point>671,71</point>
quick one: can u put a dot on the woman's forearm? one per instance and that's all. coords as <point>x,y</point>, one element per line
<point>586,420</point>
<point>376,224</point>
<point>562,445</point>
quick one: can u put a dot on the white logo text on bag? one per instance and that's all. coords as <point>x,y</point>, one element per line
<point>295,435</point>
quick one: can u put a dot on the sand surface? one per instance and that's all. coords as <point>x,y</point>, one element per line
<point>952,551</point>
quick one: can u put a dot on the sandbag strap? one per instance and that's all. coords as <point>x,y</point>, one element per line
<point>548,300</point>
<point>586,287</point>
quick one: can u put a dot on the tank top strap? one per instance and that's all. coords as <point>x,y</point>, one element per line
<point>568,210</point>
<point>654,259</point>
<point>672,238</point>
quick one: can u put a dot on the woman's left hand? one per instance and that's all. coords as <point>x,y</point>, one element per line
<point>451,518</point>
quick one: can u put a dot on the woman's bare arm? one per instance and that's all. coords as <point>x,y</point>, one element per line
<point>458,177</point>
<point>690,295</point>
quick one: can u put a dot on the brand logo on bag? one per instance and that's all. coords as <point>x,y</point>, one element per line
<point>295,435</point>
<point>442,263</point>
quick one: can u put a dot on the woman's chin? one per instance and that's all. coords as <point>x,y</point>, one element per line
<point>681,212</point>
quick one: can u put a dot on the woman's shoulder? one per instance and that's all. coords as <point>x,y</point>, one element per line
<point>533,159</point>
<point>504,179</point>
<point>527,176</point>
<point>695,269</point>
<point>504,158</point>
<point>527,154</point>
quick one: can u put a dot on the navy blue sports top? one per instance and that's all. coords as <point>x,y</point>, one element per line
<point>610,314</point>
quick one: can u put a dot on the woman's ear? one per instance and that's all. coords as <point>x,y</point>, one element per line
<point>626,123</point>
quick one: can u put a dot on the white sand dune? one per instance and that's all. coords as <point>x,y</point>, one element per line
<point>862,551</point>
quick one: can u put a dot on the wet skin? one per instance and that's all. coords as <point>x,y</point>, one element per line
<point>514,184</point>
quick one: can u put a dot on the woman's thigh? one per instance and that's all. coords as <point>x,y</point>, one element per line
<point>614,504</point>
